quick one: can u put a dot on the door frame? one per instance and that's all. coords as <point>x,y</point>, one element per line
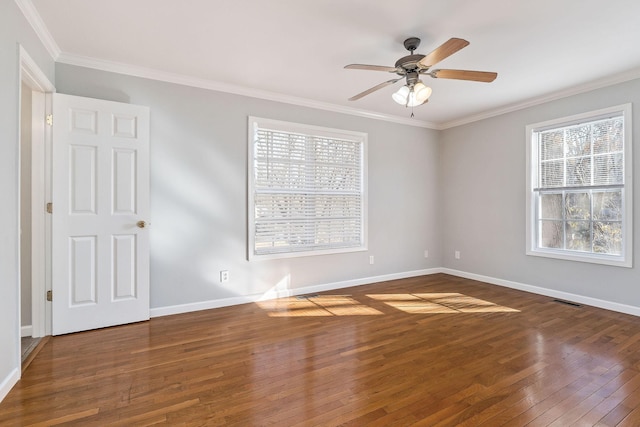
<point>33,77</point>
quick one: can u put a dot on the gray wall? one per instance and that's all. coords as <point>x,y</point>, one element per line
<point>483,201</point>
<point>14,30</point>
<point>199,191</point>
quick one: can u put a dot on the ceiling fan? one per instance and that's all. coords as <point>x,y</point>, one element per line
<point>410,67</point>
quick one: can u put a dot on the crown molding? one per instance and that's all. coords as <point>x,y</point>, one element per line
<point>32,74</point>
<point>153,74</point>
<point>576,90</point>
<point>33,17</point>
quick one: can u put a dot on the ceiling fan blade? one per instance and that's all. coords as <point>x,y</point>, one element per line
<point>370,67</point>
<point>476,76</point>
<point>373,89</point>
<point>443,51</point>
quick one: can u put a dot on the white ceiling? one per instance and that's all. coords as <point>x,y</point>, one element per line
<point>296,49</point>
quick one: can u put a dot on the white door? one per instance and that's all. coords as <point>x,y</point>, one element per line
<point>100,194</point>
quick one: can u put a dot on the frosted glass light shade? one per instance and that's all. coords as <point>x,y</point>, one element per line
<point>422,92</point>
<point>401,95</point>
<point>412,97</point>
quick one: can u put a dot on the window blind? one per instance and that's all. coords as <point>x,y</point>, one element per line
<point>582,155</point>
<point>307,192</point>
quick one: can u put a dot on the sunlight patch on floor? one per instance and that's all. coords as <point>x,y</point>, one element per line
<point>345,305</point>
<point>321,305</point>
<point>440,303</point>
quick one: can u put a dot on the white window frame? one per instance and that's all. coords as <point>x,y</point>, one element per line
<point>256,123</point>
<point>625,259</point>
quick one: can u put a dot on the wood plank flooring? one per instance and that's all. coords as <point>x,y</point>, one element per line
<point>428,351</point>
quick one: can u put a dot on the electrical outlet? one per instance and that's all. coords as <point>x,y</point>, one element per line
<point>457,254</point>
<point>426,253</point>
<point>371,260</point>
<point>224,276</point>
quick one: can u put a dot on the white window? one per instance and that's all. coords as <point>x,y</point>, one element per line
<point>579,183</point>
<point>307,189</point>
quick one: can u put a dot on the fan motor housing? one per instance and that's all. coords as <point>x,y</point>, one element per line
<point>409,63</point>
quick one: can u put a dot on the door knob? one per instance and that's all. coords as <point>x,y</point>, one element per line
<point>142,224</point>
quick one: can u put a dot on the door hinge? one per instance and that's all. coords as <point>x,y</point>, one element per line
<point>49,295</point>
<point>50,119</point>
<point>49,207</point>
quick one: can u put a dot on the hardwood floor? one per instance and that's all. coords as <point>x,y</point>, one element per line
<point>428,351</point>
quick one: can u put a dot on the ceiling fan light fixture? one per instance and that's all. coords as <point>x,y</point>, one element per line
<point>401,95</point>
<point>413,101</point>
<point>422,92</point>
<point>412,96</point>
<point>418,95</point>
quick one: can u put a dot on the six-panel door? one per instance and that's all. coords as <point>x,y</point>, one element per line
<point>100,192</point>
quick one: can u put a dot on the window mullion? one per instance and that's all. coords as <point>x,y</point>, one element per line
<point>564,220</point>
<point>565,150</point>
<point>311,185</point>
<point>593,163</point>
<point>591,217</point>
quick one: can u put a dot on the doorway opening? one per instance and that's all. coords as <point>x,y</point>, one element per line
<point>28,341</point>
<point>34,191</point>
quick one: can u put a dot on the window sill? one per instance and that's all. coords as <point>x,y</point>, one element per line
<point>617,261</point>
<point>261,257</point>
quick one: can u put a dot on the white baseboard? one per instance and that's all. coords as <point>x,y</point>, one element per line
<point>26,331</point>
<point>197,306</point>
<point>8,383</point>
<point>608,305</point>
<point>225,302</point>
